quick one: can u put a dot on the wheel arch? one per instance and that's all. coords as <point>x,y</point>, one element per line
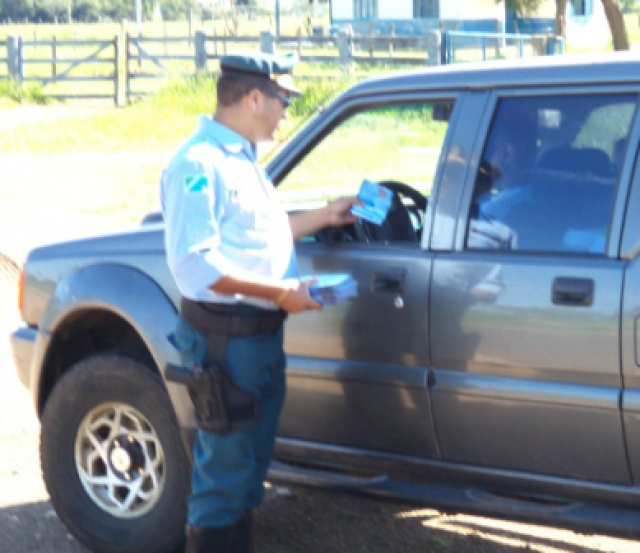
<point>99,308</point>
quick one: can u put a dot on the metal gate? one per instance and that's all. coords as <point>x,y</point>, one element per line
<point>67,69</point>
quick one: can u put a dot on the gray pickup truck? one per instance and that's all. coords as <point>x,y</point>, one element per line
<point>490,362</point>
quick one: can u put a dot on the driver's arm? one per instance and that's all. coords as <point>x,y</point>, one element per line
<point>334,214</point>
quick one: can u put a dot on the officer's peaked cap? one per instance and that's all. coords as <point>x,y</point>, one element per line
<point>270,66</point>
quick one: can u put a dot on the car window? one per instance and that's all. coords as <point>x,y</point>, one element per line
<point>387,144</point>
<point>548,173</point>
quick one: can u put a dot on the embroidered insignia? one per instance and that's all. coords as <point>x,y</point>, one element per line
<point>194,184</point>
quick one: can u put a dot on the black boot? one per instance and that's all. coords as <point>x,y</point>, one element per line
<point>242,539</point>
<point>205,539</point>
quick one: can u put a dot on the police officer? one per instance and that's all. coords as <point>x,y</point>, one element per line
<point>229,246</point>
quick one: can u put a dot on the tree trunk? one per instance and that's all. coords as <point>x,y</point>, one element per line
<point>616,24</point>
<point>561,14</point>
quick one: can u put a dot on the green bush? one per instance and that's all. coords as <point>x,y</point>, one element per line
<point>21,93</point>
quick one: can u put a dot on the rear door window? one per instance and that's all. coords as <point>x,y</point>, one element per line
<point>548,173</point>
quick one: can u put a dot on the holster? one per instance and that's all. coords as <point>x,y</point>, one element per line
<point>220,405</point>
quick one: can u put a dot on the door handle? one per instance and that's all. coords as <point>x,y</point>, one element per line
<point>389,281</point>
<point>576,292</point>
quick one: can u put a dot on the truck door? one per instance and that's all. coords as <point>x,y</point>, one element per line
<point>629,251</point>
<point>357,371</point>
<point>525,306</point>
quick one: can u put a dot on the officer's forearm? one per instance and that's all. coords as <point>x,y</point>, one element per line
<point>257,288</point>
<point>291,295</point>
<point>333,214</point>
<point>308,222</point>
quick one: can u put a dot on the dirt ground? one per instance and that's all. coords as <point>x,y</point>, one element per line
<point>290,521</point>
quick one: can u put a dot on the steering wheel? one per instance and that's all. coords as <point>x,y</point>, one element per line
<point>398,226</point>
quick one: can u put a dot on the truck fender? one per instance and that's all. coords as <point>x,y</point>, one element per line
<point>137,299</point>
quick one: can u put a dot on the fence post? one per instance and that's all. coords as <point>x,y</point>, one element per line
<point>127,61</point>
<point>54,52</point>
<point>433,48</point>
<point>200,44</point>
<point>345,47</point>
<point>14,57</point>
<point>267,42</point>
<point>539,45</point>
<point>116,70</point>
<point>555,45</point>
<point>445,57</point>
<point>372,33</point>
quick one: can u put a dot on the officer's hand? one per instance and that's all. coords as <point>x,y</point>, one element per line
<point>295,297</point>
<point>339,211</point>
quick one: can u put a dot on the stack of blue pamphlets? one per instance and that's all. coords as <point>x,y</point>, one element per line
<point>376,201</point>
<point>333,289</point>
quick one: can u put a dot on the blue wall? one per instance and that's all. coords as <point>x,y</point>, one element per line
<point>414,26</point>
<point>529,26</point>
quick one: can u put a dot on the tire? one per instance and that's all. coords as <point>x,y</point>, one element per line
<point>112,458</point>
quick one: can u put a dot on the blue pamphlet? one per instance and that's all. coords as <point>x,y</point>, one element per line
<point>333,289</point>
<point>376,201</point>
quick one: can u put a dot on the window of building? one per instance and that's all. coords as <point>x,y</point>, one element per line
<point>579,7</point>
<point>425,8</point>
<point>365,9</point>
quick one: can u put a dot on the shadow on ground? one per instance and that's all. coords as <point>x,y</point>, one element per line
<point>35,528</point>
<point>314,523</point>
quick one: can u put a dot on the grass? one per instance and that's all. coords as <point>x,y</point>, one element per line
<point>156,123</point>
<point>369,144</point>
<point>12,93</point>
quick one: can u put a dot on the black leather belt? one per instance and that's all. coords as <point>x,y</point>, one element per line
<point>230,320</point>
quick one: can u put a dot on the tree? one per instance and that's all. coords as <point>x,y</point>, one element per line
<point>630,6</point>
<point>561,18</point>
<point>522,7</point>
<point>15,10</point>
<point>175,9</point>
<point>49,11</point>
<point>611,7</point>
<point>117,10</point>
<point>86,10</point>
<point>617,25</point>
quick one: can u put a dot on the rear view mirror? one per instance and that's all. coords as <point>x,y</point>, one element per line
<point>442,112</point>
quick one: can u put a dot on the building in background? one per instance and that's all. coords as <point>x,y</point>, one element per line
<point>585,18</point>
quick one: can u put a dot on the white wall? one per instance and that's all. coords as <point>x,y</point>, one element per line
<point>395,9</point>
<point>342,9</point>
<point>547,9</point>
<point>589,32</point>
<point>471,9</point>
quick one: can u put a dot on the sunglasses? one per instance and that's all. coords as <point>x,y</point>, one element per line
<point>286,101</point>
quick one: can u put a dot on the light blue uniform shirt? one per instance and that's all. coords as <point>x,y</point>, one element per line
<point>222,216</point>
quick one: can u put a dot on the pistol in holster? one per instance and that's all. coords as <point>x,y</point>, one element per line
<point>220,405</point>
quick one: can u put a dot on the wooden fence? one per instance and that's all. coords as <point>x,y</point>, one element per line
<point>81,63</point>
<point>4,61</point>
<point>67,69</point>
<point>462,47</point>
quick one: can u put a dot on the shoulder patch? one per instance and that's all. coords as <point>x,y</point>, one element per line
<point>196,183</point>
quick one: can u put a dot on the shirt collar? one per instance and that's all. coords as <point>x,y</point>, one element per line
<point>228,139</point>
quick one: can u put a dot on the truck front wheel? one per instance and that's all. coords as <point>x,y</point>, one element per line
<point>112,458</point>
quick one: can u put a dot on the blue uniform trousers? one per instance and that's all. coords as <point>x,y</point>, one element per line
<point>229,471</point>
